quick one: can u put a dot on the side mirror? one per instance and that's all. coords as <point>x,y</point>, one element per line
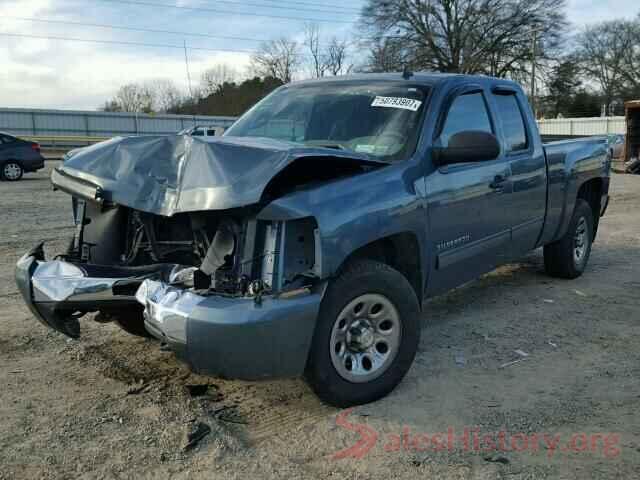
<point>467,146</point>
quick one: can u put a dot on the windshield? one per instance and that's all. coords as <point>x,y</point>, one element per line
<point>378,119</point>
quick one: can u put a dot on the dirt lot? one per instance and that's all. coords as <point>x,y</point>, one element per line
<point>114,406</point>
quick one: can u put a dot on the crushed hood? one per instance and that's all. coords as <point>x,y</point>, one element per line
<point>166,175</point>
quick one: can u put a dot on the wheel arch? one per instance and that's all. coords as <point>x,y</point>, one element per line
<point>591,192</point>
<point>401,251</point>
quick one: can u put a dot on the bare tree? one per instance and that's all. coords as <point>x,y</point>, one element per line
<point>387,55</point>
<point>165,96</point>
<point>134,98</point>
<point>312,43</point>
<point>110,106</point>
<point>603,50</point>
<point>631,33</point>
<point>465,36</point>
<point>213,78</point>
<point>278,59</point>
<point>336,58</point>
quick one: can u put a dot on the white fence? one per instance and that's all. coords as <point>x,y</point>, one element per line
<point>582,126</point>
<point>64,123</point>
<point>35,122</point>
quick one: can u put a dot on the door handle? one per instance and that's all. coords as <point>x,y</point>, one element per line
<point>498,182</point>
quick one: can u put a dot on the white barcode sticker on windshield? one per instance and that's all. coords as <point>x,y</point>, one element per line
<point>397,102</point>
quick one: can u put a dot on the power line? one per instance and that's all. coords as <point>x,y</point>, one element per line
<point>282,7</point>
<point>135,29</point>
<point>122,42</point>
<point>355,9</point>
<point>215,10</point>
<point>134,44</point>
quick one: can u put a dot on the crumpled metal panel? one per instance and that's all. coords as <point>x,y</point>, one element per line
<point>167,308</point>
<point>166,175</point>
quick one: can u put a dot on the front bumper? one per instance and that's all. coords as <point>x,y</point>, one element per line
<point>233,337</point>
<point>223,336</point>
<point>59,292</point>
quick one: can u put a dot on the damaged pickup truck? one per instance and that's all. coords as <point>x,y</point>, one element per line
<point>305,240</point>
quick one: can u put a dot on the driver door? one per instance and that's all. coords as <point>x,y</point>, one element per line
<point>468,231</point>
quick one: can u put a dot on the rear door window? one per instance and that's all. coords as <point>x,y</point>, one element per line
<point>467,112</point>
<point>513,126</point>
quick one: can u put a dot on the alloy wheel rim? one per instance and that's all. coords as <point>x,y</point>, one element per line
<point>12,171</point>
<point>580,240</point>
<point>365,338</point>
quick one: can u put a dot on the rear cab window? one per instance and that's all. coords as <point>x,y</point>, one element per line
<point>512,120</point>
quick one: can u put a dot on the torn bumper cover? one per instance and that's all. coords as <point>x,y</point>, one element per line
<point>233,337</point>
<point>59,292</point>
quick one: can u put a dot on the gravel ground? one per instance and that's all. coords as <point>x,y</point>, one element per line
<point>114,406</point>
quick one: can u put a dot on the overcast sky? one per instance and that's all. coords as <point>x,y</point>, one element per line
<point>56,73</point>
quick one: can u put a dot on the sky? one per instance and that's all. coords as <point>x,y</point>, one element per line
<point>55,72</point>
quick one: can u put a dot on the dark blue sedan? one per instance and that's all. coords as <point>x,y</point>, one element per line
<point>17,157</point>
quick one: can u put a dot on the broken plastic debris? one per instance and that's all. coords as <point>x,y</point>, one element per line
<point>138,387</point>
<point>508,364</point>
<point>193,438</point>
<point>497,459</point>
<point>460,360</point>
<point>522,353</point>
<point>547,300</point>
<point>582,294</point>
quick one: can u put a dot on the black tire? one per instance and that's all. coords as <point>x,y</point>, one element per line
<point>16,171</point>
<point>560,258</point>
<point>363,277</point>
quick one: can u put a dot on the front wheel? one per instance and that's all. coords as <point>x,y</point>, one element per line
<point>366,337</point>
<point>568,257</point>
<point>11,171</point>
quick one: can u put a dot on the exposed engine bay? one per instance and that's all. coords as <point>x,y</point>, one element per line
<point>229,252</point>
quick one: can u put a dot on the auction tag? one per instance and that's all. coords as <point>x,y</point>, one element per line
<point>397,102</point>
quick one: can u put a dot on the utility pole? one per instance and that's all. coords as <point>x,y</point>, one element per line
<point>186,62</point>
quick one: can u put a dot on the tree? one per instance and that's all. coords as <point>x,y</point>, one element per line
<point>166,97</point>
<point>562,86</point>
<point>232,99</point>
<point>603,50</point>
<point>213,78</point>
<point>277,59</point>
<point>134,98</point>
<point>387,55</point>
<point>464,36</point>
<point>584,104</point>
<point>631,64</point>
<point>111,106</point>
<point>330,58</point>
<point>336,61</point>
<point>312,42</point>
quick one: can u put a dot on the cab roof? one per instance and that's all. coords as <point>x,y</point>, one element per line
<point>424,78</point>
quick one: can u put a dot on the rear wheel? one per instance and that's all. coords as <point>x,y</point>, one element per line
<point>568,257</point>
<point>366,336</point>
<point>11,171</point>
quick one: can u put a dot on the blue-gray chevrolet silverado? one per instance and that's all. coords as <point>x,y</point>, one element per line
<point>305,240</point>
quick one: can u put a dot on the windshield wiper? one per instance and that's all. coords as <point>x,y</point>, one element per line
<point>335,146</point>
